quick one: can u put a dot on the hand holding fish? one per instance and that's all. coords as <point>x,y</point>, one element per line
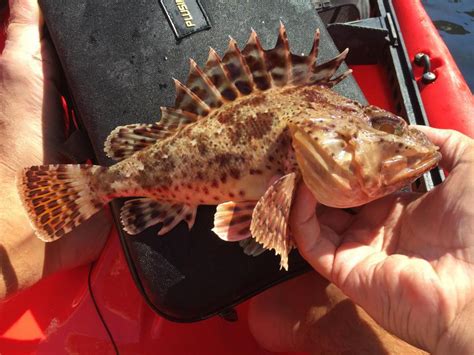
<point>31,129</point>
<point>407,259</point>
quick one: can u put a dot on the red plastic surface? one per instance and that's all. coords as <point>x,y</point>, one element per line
<point>374,82</point>
<point>448,101</point>
<point>56,313</point>
<point>58,316</point>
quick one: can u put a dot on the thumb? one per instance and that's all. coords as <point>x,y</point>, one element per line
<point>316,243</point>
<point>454,146</point>
<point>25,28</point>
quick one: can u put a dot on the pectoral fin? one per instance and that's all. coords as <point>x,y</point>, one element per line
<point>270,218</point>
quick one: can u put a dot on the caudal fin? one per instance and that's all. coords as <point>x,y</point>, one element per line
<point>58,197</point>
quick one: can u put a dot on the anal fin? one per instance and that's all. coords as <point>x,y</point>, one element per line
<point>270,218</point>
<point>140,213</point>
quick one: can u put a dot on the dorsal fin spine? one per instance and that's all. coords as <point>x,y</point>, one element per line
<point>278,59</point>
<point>170,115</point>
<point>254,55</point>
<point>323,73</point>
<point>339,78</point>
<point>189,101</point>
<point>237,69</point>
<point>214,70</point>
<point>199,83</point>
<point>283,36</point>
<point>314,50</point>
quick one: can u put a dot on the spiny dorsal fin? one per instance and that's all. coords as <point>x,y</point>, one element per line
<point>124,141</point>
<point>302,65</point>
<point>188,101</point>
<point>256,68</point>
<point>202,86</point>
<point>173,119</point>
<point>237,70</point>
<point>215,71</point>
<point>254,55</point>
<point>278,59</point>
<point>239,73</point>
<point>323,73</point>
<point>138,214</point>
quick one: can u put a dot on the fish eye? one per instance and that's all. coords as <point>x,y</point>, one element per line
<point>389,124</point>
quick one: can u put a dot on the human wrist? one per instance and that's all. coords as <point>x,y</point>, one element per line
<point>459,337</point>
<point>22,255</point>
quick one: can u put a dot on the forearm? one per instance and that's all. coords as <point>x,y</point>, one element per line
<point>459,338</point>
<point>22,255</point>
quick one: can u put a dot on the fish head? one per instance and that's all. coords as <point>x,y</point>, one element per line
<point>350,161</point>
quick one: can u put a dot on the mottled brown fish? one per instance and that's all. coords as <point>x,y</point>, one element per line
<point>243,133</point>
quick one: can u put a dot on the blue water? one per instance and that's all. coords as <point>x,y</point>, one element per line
<point>455,22</point>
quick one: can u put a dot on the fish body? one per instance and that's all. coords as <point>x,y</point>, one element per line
<point>244,132</point>
<point>232,154</point>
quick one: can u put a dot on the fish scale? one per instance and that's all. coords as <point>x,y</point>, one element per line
<point>244,132</point>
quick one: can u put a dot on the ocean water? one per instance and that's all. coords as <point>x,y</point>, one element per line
<point>454,20</point>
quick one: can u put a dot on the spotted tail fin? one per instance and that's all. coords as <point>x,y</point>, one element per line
<point>58,198</point>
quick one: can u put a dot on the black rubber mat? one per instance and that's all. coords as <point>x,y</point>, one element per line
<point>119,58</point>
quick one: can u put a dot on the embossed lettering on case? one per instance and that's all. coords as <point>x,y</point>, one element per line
<point>186,17</point>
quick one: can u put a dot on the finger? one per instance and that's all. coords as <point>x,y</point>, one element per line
<point>24,31</point>
<point>303,214</point>
<point>317,244</point>
<point>452,144</point>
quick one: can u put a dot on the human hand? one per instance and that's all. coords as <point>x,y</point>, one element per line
<point>310,314</point>
<point>31,127</point>
<point>407,259</point>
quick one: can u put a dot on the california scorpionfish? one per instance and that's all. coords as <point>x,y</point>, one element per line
<point>244,132</point>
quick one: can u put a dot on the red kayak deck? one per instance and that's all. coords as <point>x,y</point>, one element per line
<point>59,315</point>
<point>448,101</point>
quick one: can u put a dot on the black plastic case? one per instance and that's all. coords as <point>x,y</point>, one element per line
<point>119,58</point>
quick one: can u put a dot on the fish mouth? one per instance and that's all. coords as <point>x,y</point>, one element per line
<point>412,171</point>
